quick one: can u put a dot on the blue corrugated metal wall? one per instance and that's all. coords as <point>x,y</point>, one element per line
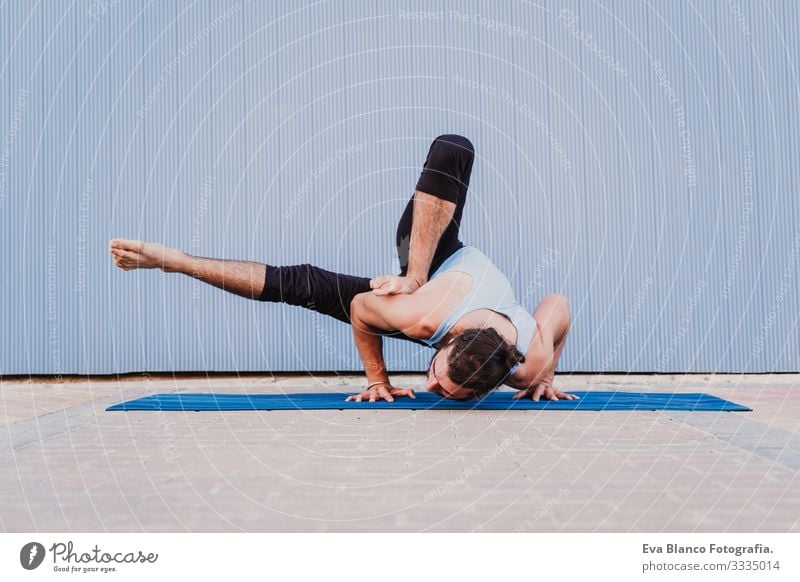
<point>640,157</point>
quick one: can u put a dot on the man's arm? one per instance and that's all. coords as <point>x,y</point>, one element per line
<point>370,315</point>
<point>431,217</point>
<point>405,313</point>
<point>370,348</point>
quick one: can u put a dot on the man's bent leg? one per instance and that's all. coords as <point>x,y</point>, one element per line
<point>445,175</point>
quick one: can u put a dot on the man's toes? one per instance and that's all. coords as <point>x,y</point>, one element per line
<point>128,255</point>
<point>123,263</point>
<point>127,244</point>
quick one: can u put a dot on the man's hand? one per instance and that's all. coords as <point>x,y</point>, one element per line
<point>543,389</point>
<point>393,285</point>
<point>381,392</point>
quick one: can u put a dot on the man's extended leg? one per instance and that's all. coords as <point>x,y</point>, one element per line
<point>304,285</point>
<point>243,278</point>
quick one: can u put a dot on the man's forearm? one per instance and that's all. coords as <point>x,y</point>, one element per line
<point>432,215</point>
<point>370,348</point>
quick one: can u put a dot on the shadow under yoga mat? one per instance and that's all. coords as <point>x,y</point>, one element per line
<point>429,401</point>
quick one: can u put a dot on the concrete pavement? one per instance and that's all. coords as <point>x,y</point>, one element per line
<point>70,466</point>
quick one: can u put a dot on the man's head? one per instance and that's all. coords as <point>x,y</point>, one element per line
<point>473,364</point>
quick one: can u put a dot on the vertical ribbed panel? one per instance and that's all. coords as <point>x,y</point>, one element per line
<point>639,157</point>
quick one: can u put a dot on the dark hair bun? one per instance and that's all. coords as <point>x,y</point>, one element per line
<point>481,359</point>
<point>513,356</point>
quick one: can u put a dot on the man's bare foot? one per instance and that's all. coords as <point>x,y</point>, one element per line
<point>136,254</point>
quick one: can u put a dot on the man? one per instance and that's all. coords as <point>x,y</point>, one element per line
<point>478,348</point>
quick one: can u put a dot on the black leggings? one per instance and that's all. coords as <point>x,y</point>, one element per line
<point>445,175</point>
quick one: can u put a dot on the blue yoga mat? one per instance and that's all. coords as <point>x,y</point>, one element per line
<point>429,401</point>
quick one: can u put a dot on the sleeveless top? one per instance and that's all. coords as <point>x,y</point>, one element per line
<point>490,290</point>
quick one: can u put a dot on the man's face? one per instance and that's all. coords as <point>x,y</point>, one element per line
<point>438,380</point>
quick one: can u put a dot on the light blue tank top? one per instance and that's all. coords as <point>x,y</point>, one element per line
<point>490,290</point>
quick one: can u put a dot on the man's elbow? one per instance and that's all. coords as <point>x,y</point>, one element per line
<point>363,313</point>
<point>357,307</point>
